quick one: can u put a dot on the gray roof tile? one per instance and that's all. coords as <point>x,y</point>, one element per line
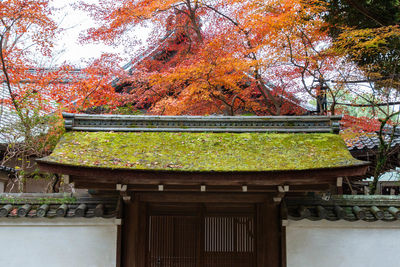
<point>58,205</point>
<point>349,208</point>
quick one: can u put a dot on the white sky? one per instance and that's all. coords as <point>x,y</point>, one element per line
<point>74,22</point>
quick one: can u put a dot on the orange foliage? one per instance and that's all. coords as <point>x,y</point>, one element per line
<point>360,124</point>
<point>27,30</point>
<point>220,57</point>
<point>79,90</point>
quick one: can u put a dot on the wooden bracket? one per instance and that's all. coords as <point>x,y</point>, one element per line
<point>126,199</point>
<point>278,197</point>
<point>122,187</point>
<point>283,188</point>
<point>125,196</point>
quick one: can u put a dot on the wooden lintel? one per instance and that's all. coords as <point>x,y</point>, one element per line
<point>197,188</point>
<point>205,197</point>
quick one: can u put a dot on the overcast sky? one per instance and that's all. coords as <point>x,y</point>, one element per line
<point>74,22</point>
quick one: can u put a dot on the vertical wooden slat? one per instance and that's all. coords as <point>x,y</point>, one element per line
<point>217,240</point>
<point>229,241</point>
<point>173,241</point>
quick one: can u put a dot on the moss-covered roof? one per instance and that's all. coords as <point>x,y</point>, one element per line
<point>223,152</point>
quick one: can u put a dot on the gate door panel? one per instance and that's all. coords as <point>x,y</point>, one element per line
<point>173,241</point>
<point>201,239</point>
<point>229,241</point>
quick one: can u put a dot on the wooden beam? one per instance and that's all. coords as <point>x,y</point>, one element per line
<point>81,182</point>
<point>204,197</point>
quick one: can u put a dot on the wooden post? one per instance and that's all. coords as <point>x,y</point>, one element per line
<point>142,231</point>
<point>119,246</point>
<point>129,233</point>
<point>269,235</point>
<point>133,235</point>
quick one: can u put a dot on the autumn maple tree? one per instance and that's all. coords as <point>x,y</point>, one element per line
<point>231,57</point>
<point>26,35</point>
<point>211,56</point>
<point>366,34</point>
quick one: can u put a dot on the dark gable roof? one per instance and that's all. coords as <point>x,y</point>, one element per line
<point>346,207</point>
<point>39,205</point>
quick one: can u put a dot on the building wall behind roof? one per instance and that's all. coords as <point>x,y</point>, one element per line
<point>342,244</point>
<point>58,242</point>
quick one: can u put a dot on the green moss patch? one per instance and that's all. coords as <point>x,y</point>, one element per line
<point>202,151</point>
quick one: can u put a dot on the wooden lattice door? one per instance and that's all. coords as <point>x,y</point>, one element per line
<point>229,241</point>
<point>201,239</point>
<point>173,241</point>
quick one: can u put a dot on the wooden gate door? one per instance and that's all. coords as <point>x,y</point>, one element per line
<point>173,241</point>
<point>229,241</point>
<point>203,238</point>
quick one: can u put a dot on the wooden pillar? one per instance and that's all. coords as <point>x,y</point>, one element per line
<point>269,239</point>
<point>119,246</point>
<point>133,233</point>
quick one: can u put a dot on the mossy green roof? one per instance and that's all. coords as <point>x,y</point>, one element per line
<point>222,152</point>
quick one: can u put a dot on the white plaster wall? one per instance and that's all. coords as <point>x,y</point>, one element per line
<point>58,242</point>
<point>343,244</point>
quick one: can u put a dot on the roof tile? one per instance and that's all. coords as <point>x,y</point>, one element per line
<point>57,205</point>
